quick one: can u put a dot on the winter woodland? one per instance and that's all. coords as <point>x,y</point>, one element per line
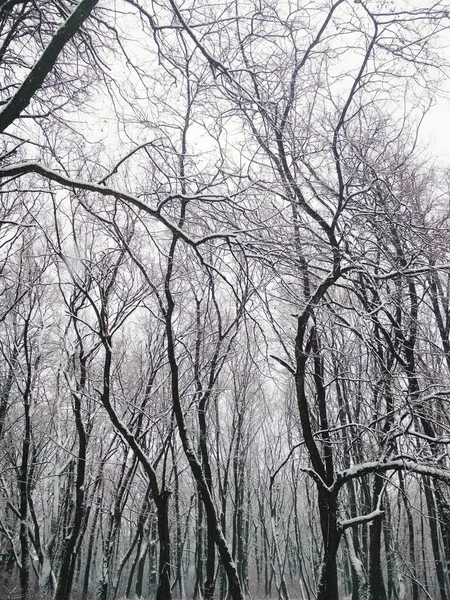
<point>224,300</point>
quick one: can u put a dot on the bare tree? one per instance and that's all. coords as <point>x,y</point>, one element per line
<point>224,283</point>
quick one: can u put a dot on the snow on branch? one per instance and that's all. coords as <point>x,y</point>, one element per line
<point>391,465</point>
<point>45,64</point>
<point>20,169</point>
<point>343,525</point>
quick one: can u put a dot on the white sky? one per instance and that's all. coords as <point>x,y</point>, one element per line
<point>436,132</point>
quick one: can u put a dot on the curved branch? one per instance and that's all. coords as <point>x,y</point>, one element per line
<point>362,469</point>
<point>30,167</point>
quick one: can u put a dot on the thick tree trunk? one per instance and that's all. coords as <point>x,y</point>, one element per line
<point>179,579</point>
<point>139,587</point>
<point>360,588</point>
<point>323,467</point>
<point>164,589</point>
<point>78,524</point>
<point>411,539</point>
<point>376,582</point>
<point>434,532</point>
<point>328,581</point>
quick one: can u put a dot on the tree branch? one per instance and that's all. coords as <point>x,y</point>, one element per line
<point>30,167</point>
<point>45,64</point>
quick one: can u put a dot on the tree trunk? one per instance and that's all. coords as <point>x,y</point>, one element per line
<point>89,555</point>
<point>328,581</point>
<point>199,553</point>
<point>23,494</point>
<point>434,532</point>
<point>376,582</point>
<point>164,589</point>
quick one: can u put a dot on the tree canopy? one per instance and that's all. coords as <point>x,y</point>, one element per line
<point>224,318</point>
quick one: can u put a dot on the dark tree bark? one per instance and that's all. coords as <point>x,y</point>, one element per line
<point>199,549</point>
<point>35,79</point>
<point>323,468</point>
<point>434,531</point>
<point>90,554</point>
<point>179,577</point>
<point>68,561</point>
<point>24,469</point>
<point>376,581</point>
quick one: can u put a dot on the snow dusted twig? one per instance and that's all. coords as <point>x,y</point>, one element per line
<point>391,465</point>
<point>20,169</point>
<point>343,525</point>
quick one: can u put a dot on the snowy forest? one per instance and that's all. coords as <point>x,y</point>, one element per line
<point>225,300</point>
